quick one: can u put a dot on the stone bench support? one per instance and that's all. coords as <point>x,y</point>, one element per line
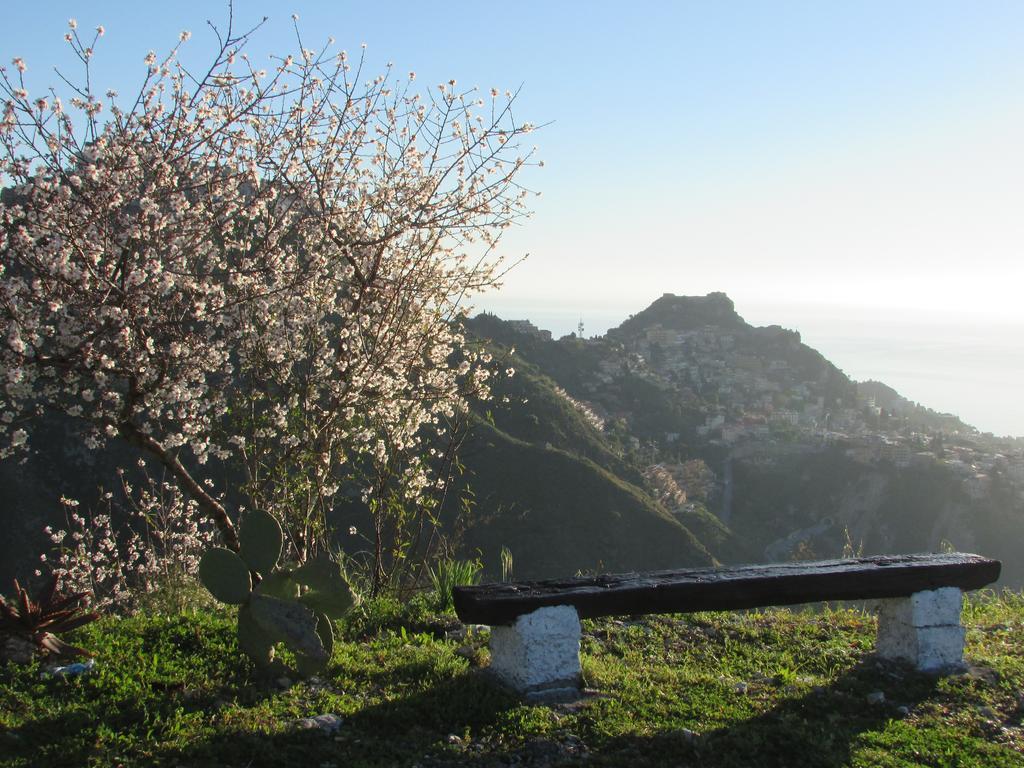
<point>540,652</point>
<point>923,629</point>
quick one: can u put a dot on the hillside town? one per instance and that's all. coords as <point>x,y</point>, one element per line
<point>764,394</point>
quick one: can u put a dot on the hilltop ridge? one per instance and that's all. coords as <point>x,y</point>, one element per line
<point>684,313</point>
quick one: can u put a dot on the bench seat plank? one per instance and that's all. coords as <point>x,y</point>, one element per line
<point>727,588</point>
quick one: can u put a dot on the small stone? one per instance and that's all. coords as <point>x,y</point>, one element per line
<point>453,739</point>
<point>283,682</point>
<point>741,688</point>
<point>328,723</point>
<point>988,713</point>
<point>902,711</point>
<point>876,697</point>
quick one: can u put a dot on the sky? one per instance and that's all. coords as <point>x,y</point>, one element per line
<point>825,164</point>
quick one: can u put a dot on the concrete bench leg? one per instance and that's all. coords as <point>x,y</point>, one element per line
<point>540,652</point>
<point>923,629</point>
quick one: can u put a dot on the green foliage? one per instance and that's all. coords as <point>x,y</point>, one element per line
<point>446,574</point>
<point>175,594</point>
<point>289,606</point>
<point>376,616</point>
<point>506,564</point>
<point>768,688</point>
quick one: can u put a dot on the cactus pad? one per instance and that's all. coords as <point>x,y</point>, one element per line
<point>308,666</point>
<point>325,632</point>
<point>253,640</point>
<point>328,593</point>
<point>290,622</point>
<point>278,584</point>
<point>223,573</point>
<point>260,539</point>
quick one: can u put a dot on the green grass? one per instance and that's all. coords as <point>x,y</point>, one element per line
<point>772,688</point>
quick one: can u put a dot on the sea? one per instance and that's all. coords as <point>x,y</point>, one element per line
<point>970,365</point>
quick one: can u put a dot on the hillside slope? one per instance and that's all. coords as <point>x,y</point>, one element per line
<point>561,513</point>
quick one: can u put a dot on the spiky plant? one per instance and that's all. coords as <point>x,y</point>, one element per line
<point>293,606</point>
<point>449,573</point>
<point>39,621</point>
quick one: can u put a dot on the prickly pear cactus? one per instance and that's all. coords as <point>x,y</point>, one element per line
<point>290,606</point>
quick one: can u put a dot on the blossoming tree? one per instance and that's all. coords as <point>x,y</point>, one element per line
<point>261,268</point>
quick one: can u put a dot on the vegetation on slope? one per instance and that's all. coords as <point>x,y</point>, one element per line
<point>559,513</point>
<point>533,408</point>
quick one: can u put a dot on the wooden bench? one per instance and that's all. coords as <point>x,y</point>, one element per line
<point>535,625</point>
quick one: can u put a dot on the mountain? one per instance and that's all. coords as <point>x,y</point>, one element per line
<point>803,462</point>
<point>683,313</point>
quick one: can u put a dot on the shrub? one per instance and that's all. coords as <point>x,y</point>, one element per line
<point>257,269</point>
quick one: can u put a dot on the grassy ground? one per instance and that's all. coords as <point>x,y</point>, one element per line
<point>775,688</point>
